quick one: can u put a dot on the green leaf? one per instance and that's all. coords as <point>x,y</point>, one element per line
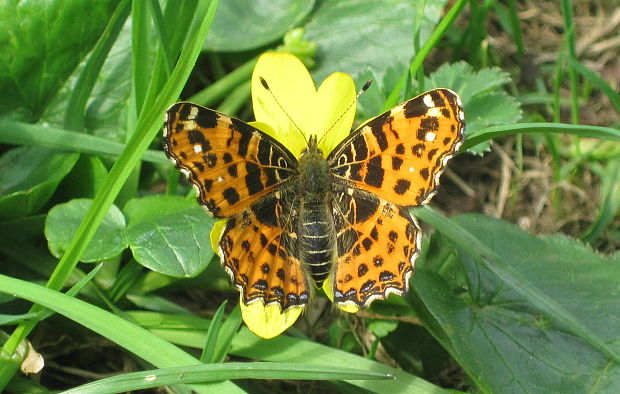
<point>354,34</point>
<point>502,341</point>
<point>41,43</point>
<point>106,109</point>
<point>28,178</point>
<point>491,109</point>
<point>263,21</point>
<point>382,328</point>
<point>169,235</point>
<point>62,223</point>
<point>84,180</point>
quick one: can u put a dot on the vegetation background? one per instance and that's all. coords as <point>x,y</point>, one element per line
<point>106,271</point>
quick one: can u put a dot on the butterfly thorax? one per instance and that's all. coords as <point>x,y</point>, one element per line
<point>316,224</point>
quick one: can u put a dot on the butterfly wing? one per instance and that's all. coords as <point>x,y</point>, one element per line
<point>241,173</point>
<point>400,154</point>
<point>261,257</point>
<point>377,243</point>
<point>391,162</point>
<point>230,163</point>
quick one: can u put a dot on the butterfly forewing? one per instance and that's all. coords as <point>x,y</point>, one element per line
<point>231,164</point>
<point>400,154</point>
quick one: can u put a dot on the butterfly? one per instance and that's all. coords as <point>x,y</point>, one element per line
<point>338,220</point>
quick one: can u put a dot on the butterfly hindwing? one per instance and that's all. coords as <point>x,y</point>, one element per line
<point>400,154</point>
<point>231,164</point>
<point>377,244</point>
<point>260,256</point>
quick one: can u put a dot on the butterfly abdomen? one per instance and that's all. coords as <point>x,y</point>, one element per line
<point>316,241</point>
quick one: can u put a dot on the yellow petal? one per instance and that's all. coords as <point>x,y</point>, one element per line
<point>216,233</point>
<point>336,100</point>
<point>349,306</point>
<point>265,128</point>
<point>290,84</point>
<point>268,321</point>
<point>295,110</point>
<point>328,288</point>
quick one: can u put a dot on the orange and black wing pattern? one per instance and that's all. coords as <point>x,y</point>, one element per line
<point>400,154</point>
<point>261,256</point>
<point>388,164</point>
<point>230,163</point>
<point>377,243</point>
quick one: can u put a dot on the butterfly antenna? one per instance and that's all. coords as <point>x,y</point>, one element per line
<point>362,90</point>
<point>266,86</point>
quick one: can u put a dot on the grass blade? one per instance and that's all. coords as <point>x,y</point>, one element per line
<point>215,372</point>
<point>149,347</point>
<point>606,133</point>
<point>212,334</point>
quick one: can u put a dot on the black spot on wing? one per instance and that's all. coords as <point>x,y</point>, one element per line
<point>199,166</point>
<point>252,179</point>
<point>232,170</point>
<point>231,195</point>
<point>206,118</point>
<point>424,172</point>
<point>365,208</point>
<point>437,99</point>
<point>415,108</point>
<point>374,172</point>
<point>402,185</point>
<point>376,126</point>
<point>196,137</point>
<point>362,270</point>
<point>361,150</point>
<point>265,211</point>
<point>396,163</point>
<point>210,159</point>
<point>184,111</point>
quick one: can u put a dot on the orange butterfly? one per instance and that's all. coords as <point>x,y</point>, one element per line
<point>340,222</point>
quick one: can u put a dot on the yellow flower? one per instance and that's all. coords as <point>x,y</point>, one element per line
<point>291,110</point>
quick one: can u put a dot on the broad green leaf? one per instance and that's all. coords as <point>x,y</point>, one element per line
<point>263,22</point>
<point>106,110</point>
<point>491,109</point>
<point>41,43</point>
<point>29,176</point>
<point>64,219</point>
<point>505,344</point>
<point>169,235</point>
<point>84,180</point>
<point>354,34</point>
